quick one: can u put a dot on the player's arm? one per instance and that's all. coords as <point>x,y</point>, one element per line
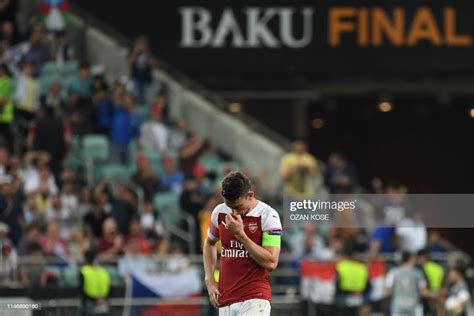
<point>266,255</point>
<point>210,260</point>
<point>209,254</point>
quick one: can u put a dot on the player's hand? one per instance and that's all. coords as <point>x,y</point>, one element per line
<point>234,224</point>
<point>214,293</point>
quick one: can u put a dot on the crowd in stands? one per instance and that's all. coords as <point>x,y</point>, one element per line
<point>51,210</point>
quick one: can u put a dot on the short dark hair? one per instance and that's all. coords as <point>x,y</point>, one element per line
<point>235,185</point>
<point>89,256</point>
<point>406,256</point>
<point>424,253</point>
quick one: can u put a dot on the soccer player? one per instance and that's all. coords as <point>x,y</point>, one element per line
<point>250,233</point>
<point>407,286</point>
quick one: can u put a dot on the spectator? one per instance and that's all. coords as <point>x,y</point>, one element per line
<point>69,201</point>
<point>190,152</point>
<point>43,181</point>
<point>298,169</point>
<point>459,297</point>
<point>53,99</point>
<point>146,178</point>
<point>141,64</point>
<point>31,235</point>
<point>111,242</point>
<point>119,94</point>
<point>136,242</point>
<point>149,222</point>
<point>34,273</point>
<point>154,134</point>
<point>96,217</point>
<point>412,234</point>
<point>8,11</point>
<point>52,244</point>
<point>308,244</point>
<point>124,208</point>
<point>80,113</point>
<point>4,155</point>
<point>11,211</point>
<point>125,129</point>
<point>171,179</point>
<point>78,245</point>
<point>27,93</point>
<point>340,175</point>
<point>62,50</point>
<point>177,136</point>
<point>436,243</point>
<point>35,51</point>
<point>82,84</point>
<point>8,256</point>
<point>52,136</point>
<point>104,111</point>
<point>31,212</point>
<point>6,105</point>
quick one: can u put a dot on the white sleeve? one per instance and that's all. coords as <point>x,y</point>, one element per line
<point>389,280</point>
<point>213,231</point>
<point>271,221</point>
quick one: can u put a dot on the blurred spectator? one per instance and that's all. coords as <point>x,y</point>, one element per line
<point>96,217</point>
<point>395,204</point>
<point>69,201</point>
<point>111,242</point>
<point>36,50</point>
<point>171,179</point>
<point>149,222</point>
<point>79,111</point>
<point>119,94</point>
<point>146,178</point>
<point>190,152</point>
<point>42,180</point>
<point>124,208</point>
<point>62,50</point>
<point>4,155</point>
<point>104,111</point>
<point>141,65</point>
<point>176,261</point>
<point>412,234</point>
<point>54,99</point>
<point>31,235</point>
<point>11,211</point>
<point>382,240</point>
<point>178,135</point>
<point>436,243</point>
<point>8,10</point>
<point>340,175</point>
<point>50,135</point>
<point>86,198</point>
<point>205,215</point>
<point>154,134</point>
<point>9,34</point>
<point>136,242</point>
<point>82,84</point>
<point>8,256</point>
<point>33,273</point>
<point>161,104</point>
<point>52,243</point>
<point>125,129</point>
<point>298,169</point>
<point>27,93</point>
<point>6,105</point>
<point>54,14</point>
<point>78,244</point>
<point>459,297</point>
<point>308,244</point>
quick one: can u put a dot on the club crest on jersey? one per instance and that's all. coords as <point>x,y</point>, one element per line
<point>253,227</point>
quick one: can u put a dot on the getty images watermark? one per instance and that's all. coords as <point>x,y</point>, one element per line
<point>372,210</point>
<point>317,210</point>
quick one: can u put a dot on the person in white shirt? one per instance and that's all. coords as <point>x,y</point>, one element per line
<point>154,134</point>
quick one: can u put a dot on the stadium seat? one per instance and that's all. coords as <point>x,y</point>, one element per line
<point>211,163</point>
<point>115,173</point>
<point>70,68</point>
<point>115,277</point>
<point>167,206</point>
<point>95,147</point>
<point>70,277</point>
<point>50,69</point>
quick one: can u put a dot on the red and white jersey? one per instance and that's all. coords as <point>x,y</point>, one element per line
<point>241,278</point>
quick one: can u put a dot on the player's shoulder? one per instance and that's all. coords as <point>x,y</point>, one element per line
<point>264,210</point>
<point>221,208</point>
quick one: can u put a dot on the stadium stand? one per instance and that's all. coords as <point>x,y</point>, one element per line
<point>85,178</point>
